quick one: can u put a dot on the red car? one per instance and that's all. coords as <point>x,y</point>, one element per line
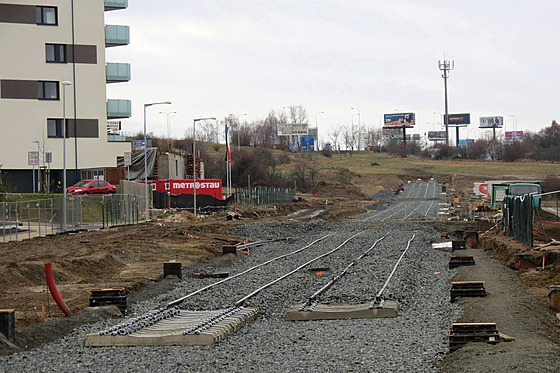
<point>91,187</point>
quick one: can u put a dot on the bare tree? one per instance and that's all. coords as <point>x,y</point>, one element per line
<point>347,137</point>
<point>333,135</point>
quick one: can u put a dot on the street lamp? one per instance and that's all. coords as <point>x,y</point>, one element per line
<point>237,121</point>
<point>168,127</point>
<point>194,159</point>
<point>317,127</point>
<point>514,117</point>
<point>353,136</point>
<point>64,85</point>
<point>38,168</point>
<point>147,215</point>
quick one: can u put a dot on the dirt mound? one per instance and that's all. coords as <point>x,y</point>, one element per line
<point>181,217</point>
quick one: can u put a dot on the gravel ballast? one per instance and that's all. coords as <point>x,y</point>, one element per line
<point>415,341</point>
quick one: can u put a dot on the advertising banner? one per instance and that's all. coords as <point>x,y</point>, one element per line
<point>436,135</point>
<point>211,187</point>
<point>458,120</point>
<point>491,122</point>
<point>514,134</point>
<point>292,129</point>
<point>399,120</point>
<point>113,126</point>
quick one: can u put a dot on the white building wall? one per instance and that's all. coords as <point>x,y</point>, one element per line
<point>22,57</point>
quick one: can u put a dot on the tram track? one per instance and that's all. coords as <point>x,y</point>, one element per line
<point>273,344</point>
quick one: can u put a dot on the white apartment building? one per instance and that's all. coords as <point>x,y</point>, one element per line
<point>42,45</point>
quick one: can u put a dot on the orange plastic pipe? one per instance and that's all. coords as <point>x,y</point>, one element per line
<point>54,291</point>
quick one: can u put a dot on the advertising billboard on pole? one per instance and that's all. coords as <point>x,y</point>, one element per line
<point>514,134</point>
<point>399,120</point>
<point>458,120</point>
<point>491,122</point>
<point>292,129</point>
<point>436,135</point>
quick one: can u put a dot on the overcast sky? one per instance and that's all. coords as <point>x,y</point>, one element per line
<point>216,57</point>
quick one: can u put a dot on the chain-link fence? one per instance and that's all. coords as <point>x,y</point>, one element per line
<point>34,218</point>
<point>262,195</point>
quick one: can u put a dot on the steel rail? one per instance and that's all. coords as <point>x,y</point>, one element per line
<point>329,284</point>
<point>180,300</point>
<point>396,212</point>
<point>399,204</point>
<point>419,189</point>
<point>378,301</point>
<point>241,301</point>
<point>412,212</point>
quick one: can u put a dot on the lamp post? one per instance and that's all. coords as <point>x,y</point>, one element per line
<point>353,136</point>
<point>147,215</point>
<point>194,159</point>
<point>38,167</point>
<point>238,124</point>
<point>64,85</point>
<point>514,117</point>
<point>168,127</point>
<point>317,127</point>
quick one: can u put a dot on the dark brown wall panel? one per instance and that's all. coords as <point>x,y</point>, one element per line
<point>26,89</point>
<point>81,53</point>
<point>10,13</point>
<point>84,128</point>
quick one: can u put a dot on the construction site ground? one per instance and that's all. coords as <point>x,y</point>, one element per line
<point>132,257</point>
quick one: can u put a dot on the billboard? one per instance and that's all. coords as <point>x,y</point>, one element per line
<point>292,129</point>
<point>514,134</point>
<point>491,122</point>
<point>458,120</point>
<point>113,126</point>
<point>399,120</point>
<point>436,135</point>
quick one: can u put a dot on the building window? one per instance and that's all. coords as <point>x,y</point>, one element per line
<point>48,91</point>
<point>55,53</point>
<point>46,15</point>
<point>54,128</point>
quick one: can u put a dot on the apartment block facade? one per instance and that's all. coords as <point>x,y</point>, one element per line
<point>53,67</point>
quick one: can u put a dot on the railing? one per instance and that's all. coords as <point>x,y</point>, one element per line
<point>117,72</point>
<point>117,35</point>
<point>116,4</point>
<point>37,218</point>
<point>119,108</point>
<point>262,195</point>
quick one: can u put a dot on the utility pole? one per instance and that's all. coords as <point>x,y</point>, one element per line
<point>445,66</point>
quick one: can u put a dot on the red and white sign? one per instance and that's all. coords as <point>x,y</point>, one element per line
<point>480,189</point>
<point>211,187</point>
<point>32,158</point>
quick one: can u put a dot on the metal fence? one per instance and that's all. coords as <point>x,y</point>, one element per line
<point>35,218</point>
<point>262,195</point>
<point>518,218</point>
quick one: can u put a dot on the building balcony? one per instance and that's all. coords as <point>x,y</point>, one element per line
<point>116,35</point>
<point>116,138</point>
<point>116,4</point>
<point>117,72</point>
<point>119,109</point>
